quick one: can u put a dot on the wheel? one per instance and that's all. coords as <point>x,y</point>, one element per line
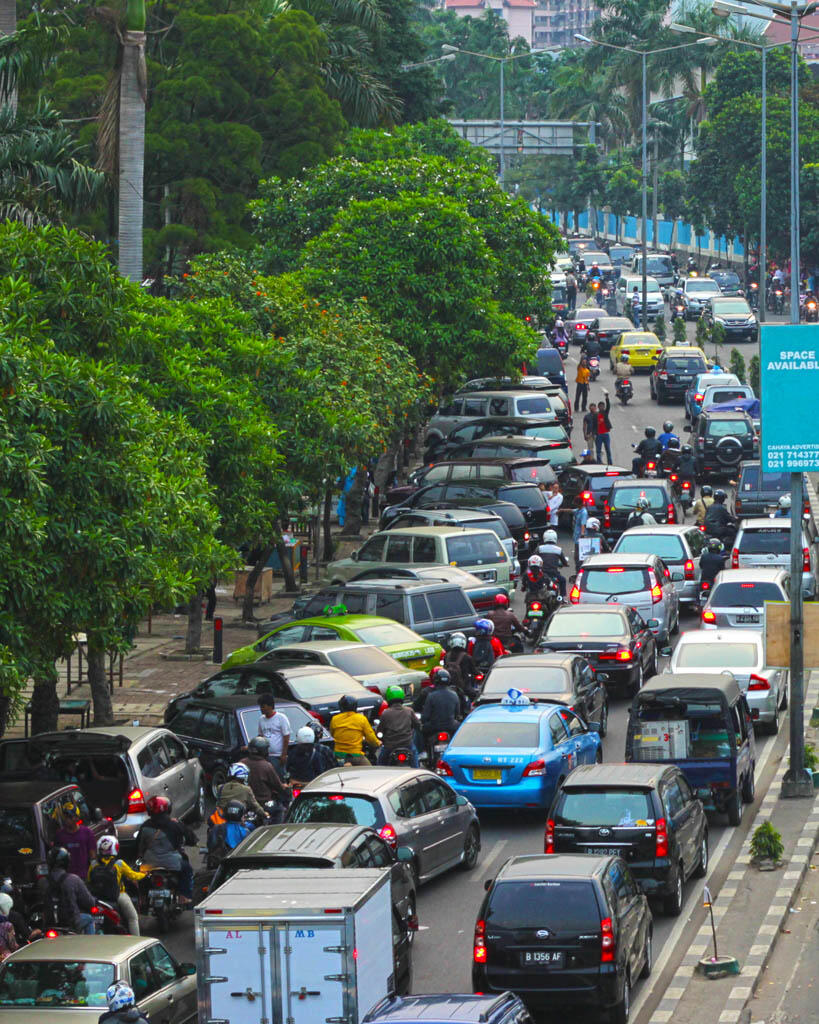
<point>161,921</point>
<point>217,780</point>
<point>621,1011</point>
<point>676,627</point>
<point>472,846</point>
<point>701,869</point>
<point>784,704</point>
<point>772,728</point>
<point>673,901</point>
<point>598,757</point>
<point>749,787</point>
<point>734,810</point>
<point>198,812</point>
<point>648,955</point>
<point>604,719</point>
<point>637,683</point>
<point>652,393</point>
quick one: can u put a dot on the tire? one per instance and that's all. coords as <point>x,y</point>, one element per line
<point>197,814</point>
<point>675,631</point>
<point>637,684</point>
<point>162,922</point>
<point>604,719</point>
<point>598,757</point>
<point>784,705</point>
<point>648,955</point>
<point>655,664</point>
<point>217,780</point>
<point>472,847</point>
<point>701,870</point>
<point>749,787</point>
<point>735,809</point>
<point>621,1011</point>
<point>772,728</point>
<point>673,901</point>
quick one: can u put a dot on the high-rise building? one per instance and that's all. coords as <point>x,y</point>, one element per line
<point>518,14</point>
<point>556,21</point>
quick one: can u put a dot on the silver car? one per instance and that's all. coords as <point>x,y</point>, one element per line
<point>464,406</point>
<point>578,323</point>
<point>406,806</point>
<point>640,581</point>
<point>742,653</point>
<point>738,597</point>
<point>766,543</point>
<point>680,547</point>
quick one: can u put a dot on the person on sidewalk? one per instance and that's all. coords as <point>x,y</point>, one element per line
<point>590,425</point>
<point>581,392</point>
<point>77,838</point>
<point>275,727</point>
<point>106,880</point>
<point>210,594</point>
<point>351,731</point>
<point>602,435</point>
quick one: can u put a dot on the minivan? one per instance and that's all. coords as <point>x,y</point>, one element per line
<point>655,304</point>
<point>766,544</point>
<point>658,266</point>
<point>455,410</point>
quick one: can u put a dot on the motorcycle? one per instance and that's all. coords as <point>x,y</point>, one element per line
<point>776,302</point>
<point>540,605</point>
<point>561,343</point>
<point>159,896</point>
<point>703,593</point>
<point>677,308</point>
<point>681,489</point>
<point>624,390</point>
<point>753,295</point>
<point>811,311</point>
<point>594,367</point>
<point>435,746</point>
<point>651,469</point>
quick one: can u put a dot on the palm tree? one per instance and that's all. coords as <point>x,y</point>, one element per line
<point>8,26</point>
<point>580,94</point>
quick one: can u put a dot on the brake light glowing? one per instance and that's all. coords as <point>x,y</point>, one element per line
<point>574,594</point>
<point>758,683</point>
<point>479,944</point>
<point>443,737</point>
<point>656,593</point>
<point>607,514</point>
<point>661,844</point>
<point>535,606</point>
<point>442,768</point>
<point>389,835</point>
<point>136,802</point>
<point>709,616</point>
<point>526,536</point>
<point>580,327</point>
<point>688,570</point>
<point>51,934</point>
<point>698,397</point>
<point>686,485</point>
<point>607,949</point>
<point>672,513</point>
<point>534,768</point>
<point>673,478</point>
<point>624,654</point>
<point>615,568</point>
<point>651,465</point>
<point>805,559</point>
<point>336,798</point>
<point>549,837</point>
<point>612,472</point>
<point>586,496</point>
<point>296,792</point>
<point>735,558</point>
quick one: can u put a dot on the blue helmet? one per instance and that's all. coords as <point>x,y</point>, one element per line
<point>119,996</point>
<point>239,771</point>
<point>485,627</point>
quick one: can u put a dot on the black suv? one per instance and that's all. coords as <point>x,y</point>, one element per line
<point>464,467</point>
<point>622,501</point>
<point>758,491</point>
<point>673,372</point>
<point>723,439</point>
<point>646,814</point>
<point>564,929</point>
<point>493,426</point>
<point>558,454</point>
<point>588,481</point>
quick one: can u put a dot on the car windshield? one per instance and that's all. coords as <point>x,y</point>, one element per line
<point>617,323</point>
<point>524,497</point>
<point>536,405</point>
<point>585,316</point>
<point>17,830</point>
<point>474,549</point>
<point>549,361</point>
<point>295,715</point>
<point>307,688</point>
<point>668,546</point>
<point>702,285</point>
<point>364,662</point>
<point>386,633</point>
<point>685,364</point>
<point>626,497</point>
<point>615,580</point>
<point>738,595</point>
<point>336,809</point>
<point>659,265</point>
<point>734,306</point>
<point>529,679</point>
<point>51,984</point>
<point>726,278</point>
<point>729,428</point>
<point>598,807</point>
<point>595,624</point>
<point>770,481</point>
<point>567,906</point>
<point>765,542</point>
<point>542,473</point>
<point>714,396</point>
<point>489,735</point>
<point>717,655</point>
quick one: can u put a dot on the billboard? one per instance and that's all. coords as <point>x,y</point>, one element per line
<point>789,385</point>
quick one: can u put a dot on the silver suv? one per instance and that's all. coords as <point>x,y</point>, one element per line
<point>680,547</point>
<point>766,543</point>
<point>452,412</point>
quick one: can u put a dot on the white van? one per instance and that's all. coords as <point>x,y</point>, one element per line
<point>658,265</point>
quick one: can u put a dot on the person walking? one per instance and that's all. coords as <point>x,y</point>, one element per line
<point>581,391</point>
<point>602,435</point>
<point>590,425</point>
<point>554,501</point>
<point>571,291</point>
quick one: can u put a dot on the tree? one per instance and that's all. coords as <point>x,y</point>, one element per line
<point>623,192</point>
<point>672,186</point>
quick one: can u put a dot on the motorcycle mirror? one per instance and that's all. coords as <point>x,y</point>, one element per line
<point>487,885</point>
<point>666,652</point>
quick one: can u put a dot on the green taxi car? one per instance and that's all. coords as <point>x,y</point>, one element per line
<point>398,640</point>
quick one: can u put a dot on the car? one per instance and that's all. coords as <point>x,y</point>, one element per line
<point>478,551</point>
<point>454,411</point>
<point>694,392</point>
<point>472,518</point>
<point>643,349</point>
<point>674,371</point>
<point>659,265</point>
<point>620,256</point>
<point>556,393</point>
<point>393,637</point>
<point>549,363</point>
<point>590,484</point>
<point>641,581</point>
<point>577,323</point>
<point>526,453</point>
<point>718,395</point>
<point>66,978</point>
<point>766,543</point>
<point>553,679</point>
<point>695,293</point>
<point>602,260</point>
<point>607,331</point>
<point>646,814</point>
<point>218,729</point>
<point>405,806</point>
<point>528,498</point>
<point>742,653</point>
<point>618,643</point>
<point>450,1008</point>
<point>679,546</point>
<point>758,491</point>
<point>314,845</point>
<point>627,305</point>
<point>464,465</point>
<point>728,281</point>
<point>494,426</point>
<point>621,501</point>
<point>738,597</point>
<point>516,753</point>
<point>723,439</point>
<point>736,317</point>
<point>564,929</point>
<point>120,767</point>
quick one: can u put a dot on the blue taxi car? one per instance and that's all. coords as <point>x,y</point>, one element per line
<point>515,754</point>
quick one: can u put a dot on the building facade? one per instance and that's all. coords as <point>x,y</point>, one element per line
<point>518,14</point>
<point>556,21</point>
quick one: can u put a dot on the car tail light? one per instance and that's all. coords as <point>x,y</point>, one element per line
<point>586,496</point>
<point>383,707</point>
<point>51,934</point>
<point>735,558</point>
<point>656,594</point>
<point>758,683</point>
<point>574,594</point>
<point>709,616</point>
<point>580,327</point>
<point>615,568</point>
<point>698,397</point>
<point>624,654</point>
<point>738,505</point>
<point>549,837</point>
<point>672,513</point>
<point>317,716</point>
<point>374,689</point>
<point>688,570</point>
<point>442,768</point>
<point>805,559</point>
<point>661,840</point>
<point>534,768</point>
<point>296,792</point>
<point>479,944</point>
<point>136,802</point>
<point>806,509</point>
<point>663,375</point>
<point>607,948</point>
<point>389,835</point>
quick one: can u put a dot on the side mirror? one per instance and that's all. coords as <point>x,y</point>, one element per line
<point>487,885</point>
<point>653,623</point>
<point>404,854</point>
<point>354,555</point>
<point>666,652</point>
<point>461,800</point>
<point>187,970</point>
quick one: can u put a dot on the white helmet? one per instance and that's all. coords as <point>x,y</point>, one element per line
<point>239,771</point>
<point>535,562</point>
<point>593,524</point>
<point>119,996</point>
<point>558,322</point>
<point>549,537</point>
<point>784,501</point>
<point>108,846</point>
<point>6,903</point>
<point>305,735</point>
<point>457,640</point>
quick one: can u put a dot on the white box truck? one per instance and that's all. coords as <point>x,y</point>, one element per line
<point>295,946</point>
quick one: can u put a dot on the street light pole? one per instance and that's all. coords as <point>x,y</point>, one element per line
<point>643,236</point>
<point>763,213</point>
<point>795,277</point>
<point>502,166</point>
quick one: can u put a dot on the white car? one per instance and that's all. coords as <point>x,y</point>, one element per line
<point>696,291</point>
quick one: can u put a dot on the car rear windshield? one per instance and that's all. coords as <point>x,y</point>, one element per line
<point>542,474</point>
<point>529,679</point>
<point>598,624</point>
<point>737,306</point>
<point>691,364</point>
<point>661,733</point>
<point>729,428</point>
<point>765,541</point>
<point>599,807</point>
<point>659,265</point>
<point>384,634</point>
<point>306,688</point>
<point>533,406</point>
<point>337,809</point>
<point>717,655</point>
<point>563,906</point>
<point>16,829</point>
<point>615,580</point>
<point>50,984</point>
<point>726,395</point>
<point>490,735</point>
<point>703,285</point>
<point>524,497</point>
<point>626,497</point>
<point>366,662</point>
<point>497,526</point>
<point>750,481</point>
<point>548,361</point>
<point>547,432</point>
<point>668,546</point>
<point>736,595</point>
<point>474,550</point>
<point>295,715</point>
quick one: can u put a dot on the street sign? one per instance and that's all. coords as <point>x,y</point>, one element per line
<point>778,636</point>
<point>789,384</point>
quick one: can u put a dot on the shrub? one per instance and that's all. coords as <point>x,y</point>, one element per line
<point>679,331</point>
<point>660,328</point>
<point>753,374</point>
<point>810,758</point>
<point>738,365</point>
<point>766,843</point>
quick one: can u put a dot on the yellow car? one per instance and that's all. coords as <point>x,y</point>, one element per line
<point>643,349</point>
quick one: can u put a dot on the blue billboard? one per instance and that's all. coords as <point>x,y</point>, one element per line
<point>789,385</point>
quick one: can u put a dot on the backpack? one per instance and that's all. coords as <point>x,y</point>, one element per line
<point>454,668</point>
<point>103,881</point>
<point>8,940</point>
<point>482,653</point>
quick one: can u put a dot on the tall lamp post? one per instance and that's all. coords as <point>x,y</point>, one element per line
<point>644,54</point>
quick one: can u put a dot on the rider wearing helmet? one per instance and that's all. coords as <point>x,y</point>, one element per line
<point>687,466</point>
<point>505,620</point>
<point>534,579</point>
<point>238,788</point>
<point>647,450</point>
<point>106,880</point>
<point>162,841</point>
<point>703,503</point>
<point>640,516</point>
<point>122,1008</point>
<point>783,507</point>
<point>712,560</point>
<point>460,665</point>
<point>667,434</point>
<point>397,726</point>
<point>718,520</point>
<point>263,780</point>
<point>307,758</point>
<point>227,835</point>
<point>484,647</point>
<point>351,731</point>
<point>74,901</point>
<point>622,368</point>
<point>586,458</point>
<point>442,708</point>
<point>593,541</point>
<point>553,559</point>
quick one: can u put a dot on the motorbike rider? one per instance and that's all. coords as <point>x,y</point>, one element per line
<point>783,507</point>
<point>593,543</point>
<point>228,834</point>
<point>485,647</point>
<point>670,456</point>
<point>622,369</point>
<point>106,880</point>
<point>718,520</point>
<point>162,841</point>
<point>74,901</point>
<point>21,927</point>
<point>712,560</point>
<point>647,450</point>
<point>9,939</point>
<point>122,1008</point>
<point>640,516</point>
<point>560,335</point>
<point>306,758</point>
<point>692,267</point>
<point>263,779</point>
<point>534,579</point>
<point>590,347</point>
<point>442,708</point>
<point>351,731</point>
<point>687,466</point>
<point>553,559</point>
<point>237,788</point>
<point>397,727</point>
<point>703,503</point>
<point>460,664</point>
<point>595,273</point>
<point>667,434</point>
<point>507,624</point>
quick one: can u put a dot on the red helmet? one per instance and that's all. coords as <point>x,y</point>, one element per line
<point>501,600</point>
<point>159,805</point>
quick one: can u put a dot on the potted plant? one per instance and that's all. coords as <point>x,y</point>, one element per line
<point>811,761</point>
<point>766,847</point>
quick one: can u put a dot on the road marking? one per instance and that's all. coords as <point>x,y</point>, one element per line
<point>483,865</point>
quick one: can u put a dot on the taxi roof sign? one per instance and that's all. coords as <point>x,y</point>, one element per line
<point>514,698</point>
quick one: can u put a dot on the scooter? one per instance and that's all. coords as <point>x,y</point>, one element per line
<point>811,311</point>
<point>561,343</point>
<point>436,745</point>
<point>594,367</point>
<point>540,605</point>
<point>624,390</point>
<point>159,896</point>
<point>753,295</point>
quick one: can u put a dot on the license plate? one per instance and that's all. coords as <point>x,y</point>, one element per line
<point>544,958</point>
<point>605,851</point>
<point>486,774</point>
<point>747,618</point>
<point>535,615</point>
<point>685,380</point>
<point>417,663</point>
<point>160,894</point>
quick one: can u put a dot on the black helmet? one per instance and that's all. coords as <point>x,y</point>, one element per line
<point>706,490</point>
<point>668,427</point>
<point>715,544</point>
<point>348,703</point>
<point>720,496</point>
<point>234,810</point>
<point>442,677</point>
<point>59,857</point>
<point>673,444</point>
<point>650,431</point>
<point>688,450</point>
<point>260,746</point>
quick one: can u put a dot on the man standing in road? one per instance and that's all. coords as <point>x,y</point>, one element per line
<point>581,392</point>
<point>554,501</point>
<point>603,431</point>
<point>590,425</point>
<point>275,727</point>
<point>571,290</point>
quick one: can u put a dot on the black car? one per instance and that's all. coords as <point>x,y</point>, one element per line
<point>728,280</point>
<point>589,484</point>
<point>493,426</point>
<point>723,439</point>
<point>735,315</point>
<point>673,372</point>
<point>646,814</point>
<point>549,363</point>
<point>616,640</point>
<point>758,491</point>
<point>622,501</point>
<point>550,679</point>
<point>506,510</point>
<point>217,730</point>
<point>564,929</point>
<point>607,331</point>
<point>558,454</point>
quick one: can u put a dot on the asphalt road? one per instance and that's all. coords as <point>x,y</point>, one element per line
<point>447,907</point>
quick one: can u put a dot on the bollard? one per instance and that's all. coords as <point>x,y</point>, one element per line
<point>303,565</point>
<point>217,641</point>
